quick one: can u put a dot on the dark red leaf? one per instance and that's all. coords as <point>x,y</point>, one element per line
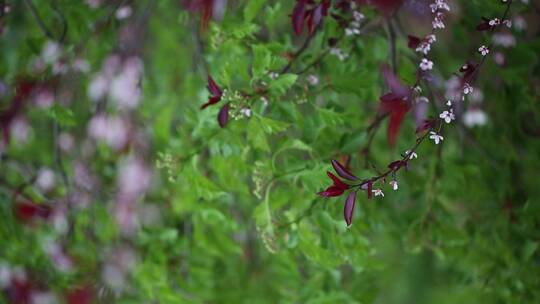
<point>81,295</point>
<point>394,84</point>
<point>314,18</point>
<point>348,210</point>
<point>413,41</point>
<point>223,115</point>
<point>28,211</point>
<point>212,100</point>
<point>23,89</point>
<point>484,25</point>
<point>342,171</point>
<point>297,16</point>
<point>369,189</point>
<point>397,108</point>
<point>213,88</point>
<point>337,188</point>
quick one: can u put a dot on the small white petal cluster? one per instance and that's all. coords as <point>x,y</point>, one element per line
<point>123,12</point>
<point>474,117</point>
<point>114,131</point>
<point>378,192</point>
<point>494,22</point>
<point>484,50</point>
<point>313,80</point>
<point>439,5</point>
<point>426,64</point>
<point>338,53</point>
<point>411,155</point>
<point>119,80</point>
<point>447,116</point>
<point>394,184</point>
<point>45,180</point>
<point>246,112</point>
<point>437,22</point>
<point>435,137</point>
<point>354,26</point>
<point>467,89</point>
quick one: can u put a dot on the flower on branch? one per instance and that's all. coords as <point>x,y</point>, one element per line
<point>435,137</point>
<point>377,192</point>
<point>447,116</point>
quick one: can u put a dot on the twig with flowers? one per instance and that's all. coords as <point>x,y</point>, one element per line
<point>398,102</point>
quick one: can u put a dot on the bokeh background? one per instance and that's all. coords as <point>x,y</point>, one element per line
<point>115,187</point>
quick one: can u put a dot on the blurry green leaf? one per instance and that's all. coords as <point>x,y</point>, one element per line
<point>282,83</point>
<point>63,116</point>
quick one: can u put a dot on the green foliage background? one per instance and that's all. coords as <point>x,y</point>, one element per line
<point>240,219</point>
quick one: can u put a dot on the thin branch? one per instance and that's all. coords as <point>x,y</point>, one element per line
<point>38,19</point>
<point>301,50</point>
<point>392,39</point>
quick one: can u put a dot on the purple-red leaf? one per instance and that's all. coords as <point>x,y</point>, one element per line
<point>393,82</point>
<point>342,171</point>
<point>223,115</point>
<point>23,89</point>
<point>413,42</point>
<point>213,88</point>
<point>337,188</point>
<point>369,189</point>
<point>297,16</point>
<point>215,92</point>
<point>29,211</point>
<point>425,125</point>
<point>212,100</point>
<point>348,210</point>
<point>314,18</point>
<point>397,107</point>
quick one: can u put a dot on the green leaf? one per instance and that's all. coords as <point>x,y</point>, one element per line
<point>271,126</point>
<point>283,83</point>
<point>261,60</point>
<point>63,116</point>
<point>252,8</point>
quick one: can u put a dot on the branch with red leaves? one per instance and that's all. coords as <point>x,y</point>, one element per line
<point>396,104</point>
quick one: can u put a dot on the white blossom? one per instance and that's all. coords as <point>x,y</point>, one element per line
<point>439,5</point>
<point>411,155</point>
<point>123,12</point>
<point>494,22</point>
<point>358,16</point>
<point>313,80</point>
<point>423,47</point>
<point>447,116</point>
<point>426,64</point>
<point>474,117</point>
<point>45,179</point>
<point>484,50</point>
<point>394,184</point>
<point>420,99</point>
<point>467,89</point>
<point>436,137</point>
<point>51,52</point>
<point>246,112</point>
<point>377,192</point>
<point>338,53</point>
<point>438,21</point>
<point>352,31</point>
